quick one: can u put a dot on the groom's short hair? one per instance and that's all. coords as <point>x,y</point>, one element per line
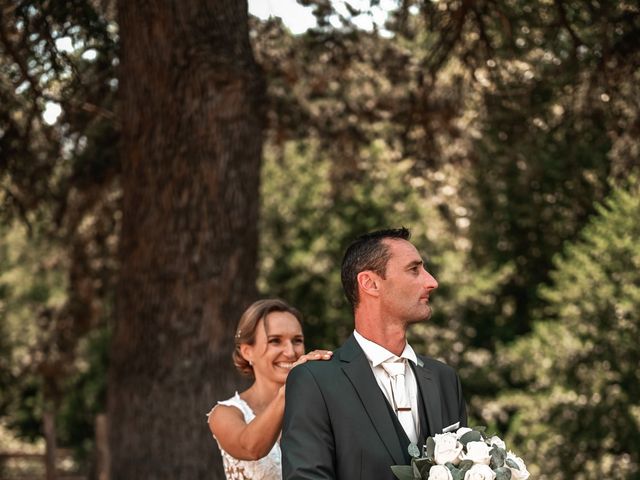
<point>367,252</point>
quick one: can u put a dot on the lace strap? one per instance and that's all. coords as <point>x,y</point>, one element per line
<point>238,403</point>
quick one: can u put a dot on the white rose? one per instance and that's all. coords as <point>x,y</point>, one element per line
<point>461,431</point>
<point>521,473</point>
<point>439,472</point>
<point>447,449</point>
<point>480,472</point>
<point>497,441</point>
<point>478,452</point>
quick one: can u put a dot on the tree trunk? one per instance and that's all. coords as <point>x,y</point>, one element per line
<point>102,460</point>
<point>49,427</point>
<point>191,96</point>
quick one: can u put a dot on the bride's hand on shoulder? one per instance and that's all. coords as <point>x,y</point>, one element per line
<point>314,355</point>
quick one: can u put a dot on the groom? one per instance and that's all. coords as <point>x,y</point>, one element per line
<point>354,416</point>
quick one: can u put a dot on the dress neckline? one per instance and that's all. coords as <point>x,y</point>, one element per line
<point>246,404</point>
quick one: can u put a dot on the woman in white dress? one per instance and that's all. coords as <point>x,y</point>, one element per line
<point>268,343</point>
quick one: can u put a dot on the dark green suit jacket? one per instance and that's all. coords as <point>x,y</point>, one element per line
<point>337,423</point>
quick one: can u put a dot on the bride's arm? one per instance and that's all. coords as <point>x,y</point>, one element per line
<point>248,441</point>
<point>254,440</point>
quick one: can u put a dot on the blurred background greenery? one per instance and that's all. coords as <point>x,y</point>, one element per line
<point>504,133</point>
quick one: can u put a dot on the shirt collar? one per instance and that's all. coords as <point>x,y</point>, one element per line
<point>377,354</point>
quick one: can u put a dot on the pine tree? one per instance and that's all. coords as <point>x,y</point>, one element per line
<point>578,411</point>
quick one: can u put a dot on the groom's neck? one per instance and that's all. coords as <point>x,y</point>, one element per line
<point>388,334</point>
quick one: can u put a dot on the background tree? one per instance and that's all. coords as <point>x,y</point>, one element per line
<point>191,96</point>
<point>513,117</point>
<point>58,208</point>
<point>489,127</point>
<point>576,411</point>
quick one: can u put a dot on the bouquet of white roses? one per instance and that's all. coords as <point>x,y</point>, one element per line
<point>467,454</point>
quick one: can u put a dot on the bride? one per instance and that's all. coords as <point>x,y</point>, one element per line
<point>268,343</point>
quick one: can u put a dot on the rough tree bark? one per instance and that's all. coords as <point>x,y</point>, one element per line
<point>191,96</point>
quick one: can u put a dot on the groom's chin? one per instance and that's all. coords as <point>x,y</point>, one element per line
<point>424,316</point>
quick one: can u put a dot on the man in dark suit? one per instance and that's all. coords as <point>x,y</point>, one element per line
<point>353,417</point>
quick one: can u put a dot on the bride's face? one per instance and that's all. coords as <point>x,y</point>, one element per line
<point>279,342</point>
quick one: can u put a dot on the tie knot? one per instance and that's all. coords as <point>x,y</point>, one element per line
<point>394,367</point>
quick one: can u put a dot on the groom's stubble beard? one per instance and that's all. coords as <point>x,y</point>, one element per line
<point>421,318</point>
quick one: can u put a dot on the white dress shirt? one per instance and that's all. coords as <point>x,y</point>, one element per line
<point>376,355</point>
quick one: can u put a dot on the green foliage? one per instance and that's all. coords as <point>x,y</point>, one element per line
<point>489,128</point>
<point>425,466</point>
<point>578,413</point>
<point>403,472</point>
<point>36,371</point>
<point>498,457</point>
<point>307,222</point>
<point>87,389</point>
<point>58,54</point>
<point>33,285</point>
<point>472,436</point>
<point>25,410</point>
<point>540,163</point>
<point>58,205</point>
<point>503,473</point>
<point>503,104</point>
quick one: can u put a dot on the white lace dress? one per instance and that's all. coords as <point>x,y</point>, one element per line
<point>267,468</point>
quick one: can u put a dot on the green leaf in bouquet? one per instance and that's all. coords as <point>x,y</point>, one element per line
<point>455,473</point>
<point>503,473</point>
<point>471,436</point>
<point>465,465</point>
<point>458,475</point>
<point>498,456</point>
<point>403,472</point>
<point>413,450</point>
<point>415,470</point>
<point>510,463</point>
<point>430,449</point>
<point>421,467</point>
<point>482,429</point>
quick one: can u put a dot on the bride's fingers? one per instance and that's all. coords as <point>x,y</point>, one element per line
<point>319,355</point>
<point>314,355</point>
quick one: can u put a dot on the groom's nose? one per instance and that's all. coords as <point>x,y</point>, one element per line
<point>430,282</point>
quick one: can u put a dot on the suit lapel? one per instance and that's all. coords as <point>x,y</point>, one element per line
<point>430,396</point>
<point>358,371</point>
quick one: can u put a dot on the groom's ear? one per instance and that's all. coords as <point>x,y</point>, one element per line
<point>369,283</point>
